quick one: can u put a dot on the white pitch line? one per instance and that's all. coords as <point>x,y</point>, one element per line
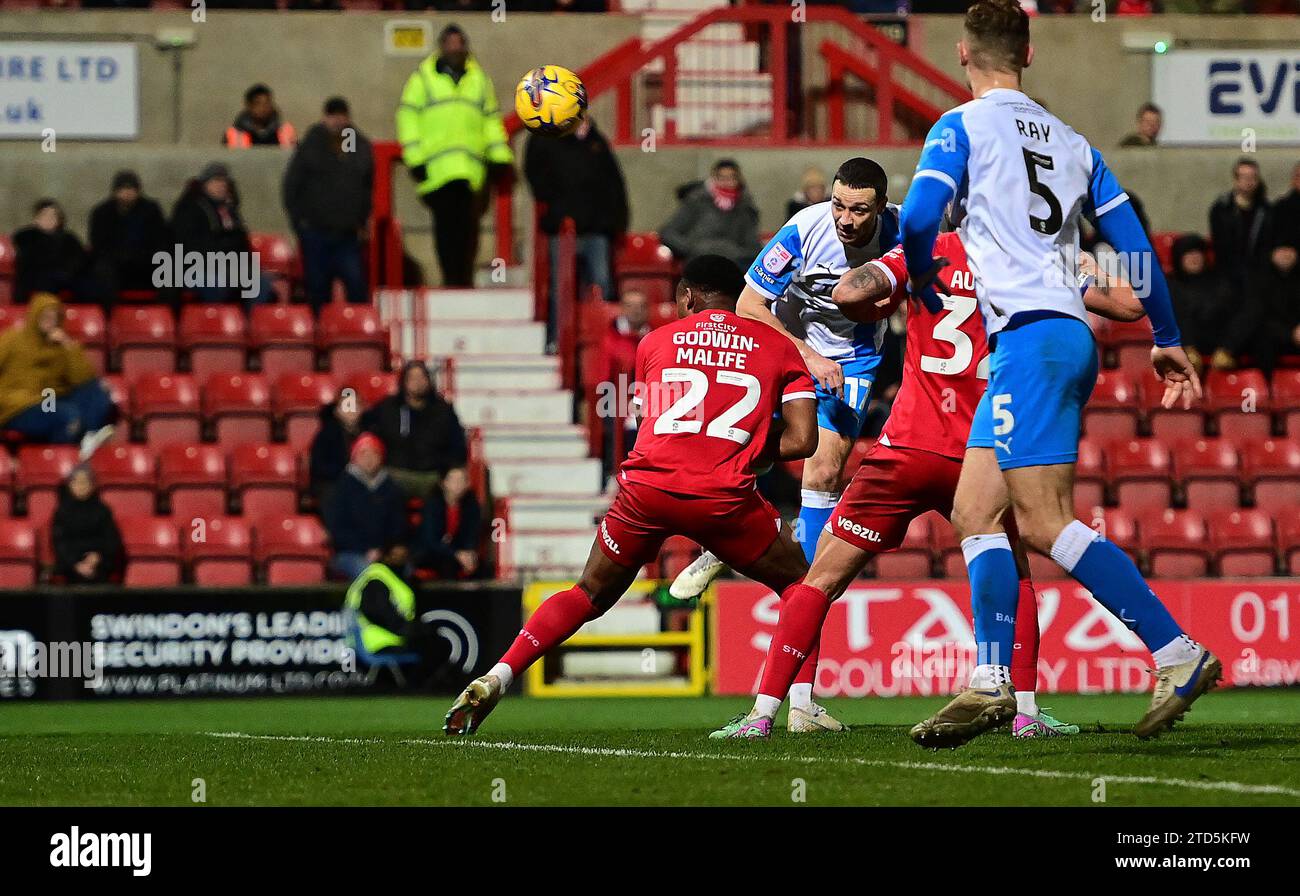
<point>624,753</point>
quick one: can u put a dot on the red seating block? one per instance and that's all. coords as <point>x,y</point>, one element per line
<point>41,470</point>
<point>297,401</point>
<point>215,336</point>
<point>17,553</point>
<point>1272,467</point>
<point>372,388</point>
<point>352,338</point>
<point>1112,411</point>
<point>127,479</point>
<point>167,406</point>
<point>1176,543</point>
<point>276,255</point>
<point>913,558</point>
<point>153,553</point>
<point>1209,471</point>
<point>264,477</point>
<point>1169,423</point>
<point>238,405</point>
<point>1243,542</point>
<point>1240,401</point>
<point>1090,473</point>
<point>292,550</point>
<point>143,338</point>
<point>219,551</point>
<point>6,485</point>
<point>284,337</point>
<point>194,478</point>
<point>1288,536</point>
<point>1286,400</point>
<point>85,324</point>
<point>643,253</point>
<point>1140,471</point>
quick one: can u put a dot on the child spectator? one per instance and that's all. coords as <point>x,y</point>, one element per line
<point>450,529</point>
<point>87,543</point>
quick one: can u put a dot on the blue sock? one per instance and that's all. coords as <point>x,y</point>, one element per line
<point>994,592</point>
<point>814,513</point>
<point>1115,583</point>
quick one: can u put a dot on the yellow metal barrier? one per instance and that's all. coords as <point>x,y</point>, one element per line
<point>692,639</point>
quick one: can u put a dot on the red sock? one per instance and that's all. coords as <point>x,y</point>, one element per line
<point>1024,654</point>
<point>553,623</point>
<point>803,610</point>
<point>808,671</point>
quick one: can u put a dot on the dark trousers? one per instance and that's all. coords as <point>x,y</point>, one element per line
<point>85,408</point>
<point>455,231</point>
<point>326,256</point>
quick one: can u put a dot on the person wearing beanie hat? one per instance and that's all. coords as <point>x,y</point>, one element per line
<point>1201,300</point>
<point>366,515</point>
<point>126,230</point>
<point>206,220</point>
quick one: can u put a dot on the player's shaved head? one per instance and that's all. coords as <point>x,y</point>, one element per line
<point>709,282</point>
<point>997,36</point>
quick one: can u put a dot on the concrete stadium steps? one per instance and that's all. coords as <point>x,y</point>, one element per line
<point>530,372</point>
<point>549,513</point>
<point>503,441</point>
<point>481,337</point>
<point>457,304</point>
<point>562,553</point>
<point>539,476</point>
<point>478,406</point>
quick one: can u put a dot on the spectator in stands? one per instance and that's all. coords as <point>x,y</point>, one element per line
<point>420,432</point>
<point>48,388</point>
<point>453,142</point>
<point>259,124</point>
<point>578,177</point>
<point>1240,227</point>
<point>451,528</point>
<point>1149,121</point>
<point>331,448</point>
<point>206,219</point>
<point>366,515</point>
<point>618,354</point>
<point>1286,213</point>
<point>126,230</point>
<point>48,257</point>
<point>1201,300</point>
<point>87,542</point>
<point>1278,332</point>
<point>327,193</point>
<point>716,218</point>
<point>812,190</point>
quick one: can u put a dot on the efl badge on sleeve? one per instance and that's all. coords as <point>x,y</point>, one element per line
<point>776,259</point>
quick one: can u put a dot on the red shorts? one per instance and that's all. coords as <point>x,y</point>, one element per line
<point>738,529</point>
<point>891,488</point>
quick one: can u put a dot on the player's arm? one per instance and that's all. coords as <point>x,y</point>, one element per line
<point>872,291</point>
<point>940,170</point>
<point>766,282</point>
<point>798,418</point>
<point>1108,294</point>
<point>1119,226</point>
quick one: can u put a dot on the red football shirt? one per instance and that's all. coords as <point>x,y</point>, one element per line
<point>945,364</point>
<point>709,386</point>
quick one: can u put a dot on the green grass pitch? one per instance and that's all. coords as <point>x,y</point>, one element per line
<point>1237,748</point>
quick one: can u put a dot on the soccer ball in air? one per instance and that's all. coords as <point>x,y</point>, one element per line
<point>551,100</point>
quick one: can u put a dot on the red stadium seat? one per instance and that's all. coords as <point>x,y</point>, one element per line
<point>1209,470</point>
<point>167,407</point>
<point>1163,242</point>
<point>194,479</point>
<point>215,337</point>
<point>219,551</point>
<point>1090,473</point>
<point>292,550</point>
<point>1272,467</point>
<point>297,401</point>
<point>372,388</point>
<point>264,478</point>
<point>238,406</point>
<point>1169,424</point>
<point>153,551</point>
<point>677,553</point>
<point>643,253</point>
<point>284,337</point>
<point>143,338</point>
<point>6,485</point>
<point>1176,543</point>
<point>913,559</point>
<point>17,554</point>
<point>1139,472</point>
<point>1288,536</point>
<point>1286,401</point>
<point>85,324</point>
<point>1239,400</point>
<point>12,316</point>
<point>276,255</point>
<point>126,478</point>
<point>1243,542</point>
<point>41,470</point>
<point>352,338</point>
<point>1112,411</point>
<point>1115,524</point>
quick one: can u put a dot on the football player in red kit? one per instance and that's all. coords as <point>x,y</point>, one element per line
<point>719,394</point>
<point>915,465</point>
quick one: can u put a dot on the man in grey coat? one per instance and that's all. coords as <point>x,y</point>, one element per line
<point>717,217</point>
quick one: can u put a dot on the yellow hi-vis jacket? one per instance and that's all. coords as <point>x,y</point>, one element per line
<point>452,128</point>
<point>375,638</point>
